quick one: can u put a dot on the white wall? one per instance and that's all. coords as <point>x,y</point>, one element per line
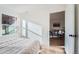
<point>41,16</point>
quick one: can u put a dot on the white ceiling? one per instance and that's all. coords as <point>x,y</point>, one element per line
<point>26,7</point>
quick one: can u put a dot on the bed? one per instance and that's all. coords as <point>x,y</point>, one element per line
<point>12,45</point>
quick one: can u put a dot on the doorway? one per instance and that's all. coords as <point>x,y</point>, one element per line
<point>69,35</point>
<point>57,29</point>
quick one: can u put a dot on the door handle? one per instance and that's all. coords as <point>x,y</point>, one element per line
<point>72,35</point>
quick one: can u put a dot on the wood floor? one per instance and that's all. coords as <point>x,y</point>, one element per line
<point>57,44</point>
<point>57,41</point>
<point>52,50</point>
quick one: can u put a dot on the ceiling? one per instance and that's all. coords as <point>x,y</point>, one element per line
<point>26,7</point>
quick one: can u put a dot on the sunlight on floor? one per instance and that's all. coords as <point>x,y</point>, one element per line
<point>52,50</point>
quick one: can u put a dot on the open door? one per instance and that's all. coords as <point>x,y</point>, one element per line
<point>70,29</point>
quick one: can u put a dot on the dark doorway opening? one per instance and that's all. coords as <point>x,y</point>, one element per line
<point>57,28</point>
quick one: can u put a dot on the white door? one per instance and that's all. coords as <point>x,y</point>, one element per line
<point>70,29</point>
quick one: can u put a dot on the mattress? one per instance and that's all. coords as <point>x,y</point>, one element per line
<point>18,46</point>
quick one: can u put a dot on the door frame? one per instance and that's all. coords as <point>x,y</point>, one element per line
<point>64,25</point>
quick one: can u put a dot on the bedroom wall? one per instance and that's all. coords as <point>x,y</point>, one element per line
<point>41,16</point>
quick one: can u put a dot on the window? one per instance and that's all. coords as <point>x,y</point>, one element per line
<point>34,31</point>
<point>31,30</point>
<point>24,28</point>
<point>8,24</point>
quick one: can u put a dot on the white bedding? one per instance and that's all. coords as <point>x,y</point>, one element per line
<point>18,46</point>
